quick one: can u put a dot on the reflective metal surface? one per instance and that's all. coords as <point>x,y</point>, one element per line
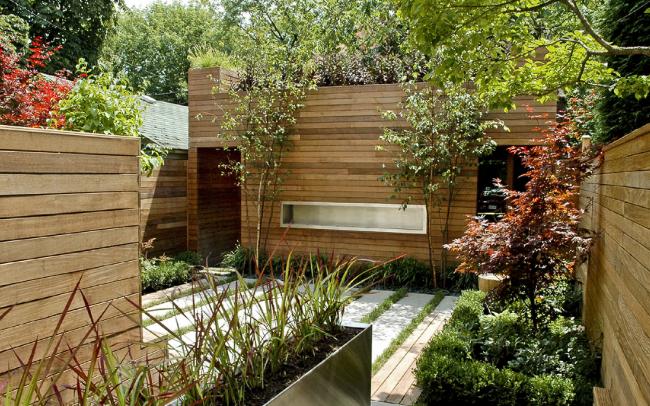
<point>342,379</point>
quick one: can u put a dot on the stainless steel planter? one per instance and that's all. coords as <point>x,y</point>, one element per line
<point>342,379</point>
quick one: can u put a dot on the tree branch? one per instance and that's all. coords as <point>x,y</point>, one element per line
<point>610,48</point>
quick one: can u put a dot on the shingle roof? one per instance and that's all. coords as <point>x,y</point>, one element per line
<point>165,124</point>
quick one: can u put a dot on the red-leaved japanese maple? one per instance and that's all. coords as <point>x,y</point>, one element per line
<point>26,96</point>
<point>538,239</point>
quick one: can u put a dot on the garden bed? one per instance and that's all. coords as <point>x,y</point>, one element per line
<point>341,364</point>
<point>498,358</point>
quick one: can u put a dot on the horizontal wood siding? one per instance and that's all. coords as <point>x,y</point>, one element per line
<point>617,278</point>
<point>68,214</point>
<point>163,206</point>
<point>334,159</point>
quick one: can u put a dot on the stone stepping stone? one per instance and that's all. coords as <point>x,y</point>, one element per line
<point>388,326</point>
<point>356,310</point>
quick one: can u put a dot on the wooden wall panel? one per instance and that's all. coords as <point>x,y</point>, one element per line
<point>163,206</point>
<point>334,159</point>
<point>69,213</point>
<point>617,276</point>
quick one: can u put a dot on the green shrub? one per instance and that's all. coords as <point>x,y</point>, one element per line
<point>468,311</point>
<point>157,274</point>
<point>190,257</point>
<point>451,343</point>
<point>452,381</point>
<point>240,258</point>
<point>406,272</point>
<point>500,335</point>
<point>457,281</point>
<point>550,390</point>
<point>448,381</point>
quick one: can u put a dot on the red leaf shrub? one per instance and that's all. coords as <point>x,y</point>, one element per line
<point>26,96</point>
<point>538,239</point>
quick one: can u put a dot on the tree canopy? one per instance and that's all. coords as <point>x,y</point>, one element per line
<point>516,47</point>
<point>151,45</point>
<point>79,26</point>
<point>625,22</point>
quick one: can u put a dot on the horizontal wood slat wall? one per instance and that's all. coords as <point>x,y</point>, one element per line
<point>617,278</point>
<point>334,159</point>
<point>163,206</point>
<point>69,212</point>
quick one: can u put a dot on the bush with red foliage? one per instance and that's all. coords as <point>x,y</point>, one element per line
<point>26,96</point>
<point>538,239</point>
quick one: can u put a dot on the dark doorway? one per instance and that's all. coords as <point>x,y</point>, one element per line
<point>219,204</point>
<point>503,165</point>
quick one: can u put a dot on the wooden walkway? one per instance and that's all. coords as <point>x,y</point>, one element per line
<point>394,383</point>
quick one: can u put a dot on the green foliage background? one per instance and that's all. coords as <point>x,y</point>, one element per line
<point>627,23</point>
<point>151,45</point>
<point>80,26</point>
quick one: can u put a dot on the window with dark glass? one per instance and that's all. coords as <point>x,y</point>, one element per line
<point>503,165</point>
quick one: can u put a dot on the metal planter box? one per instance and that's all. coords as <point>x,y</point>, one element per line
<point>342,379</point>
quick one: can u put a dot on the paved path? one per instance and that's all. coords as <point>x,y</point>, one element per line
<point>388,326</point>
<point>364,305</point>
<point>394,383</point>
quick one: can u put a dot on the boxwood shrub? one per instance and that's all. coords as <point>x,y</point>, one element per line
<point>498,359</point>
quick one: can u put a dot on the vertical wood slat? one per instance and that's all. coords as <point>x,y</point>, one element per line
<point>616,278</point>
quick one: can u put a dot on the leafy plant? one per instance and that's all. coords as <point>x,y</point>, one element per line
<point>536,242</point>
<point>511,48</point>
<point>498,358</point>
<point>151,45</point>
<point>104,104</point>
<point>26,96</point>
<point>468,310</point>
<point>274,83</point>
<point>238,339</point>
<point>164,272</point>
<point>446,134</point>
<point>79,25</point>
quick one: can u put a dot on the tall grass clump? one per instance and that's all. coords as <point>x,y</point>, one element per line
<point>240,339</point>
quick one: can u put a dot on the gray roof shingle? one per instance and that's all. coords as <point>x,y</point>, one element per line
<point>165,124</point>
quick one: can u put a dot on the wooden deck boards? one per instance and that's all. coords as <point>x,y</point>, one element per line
<point>395,381</point>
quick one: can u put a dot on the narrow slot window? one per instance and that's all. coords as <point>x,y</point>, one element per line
<point>370,217</point>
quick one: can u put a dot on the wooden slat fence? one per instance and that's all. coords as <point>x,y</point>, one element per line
<point>69,212</point>
<point>617,277</point>
<point>163,206</point>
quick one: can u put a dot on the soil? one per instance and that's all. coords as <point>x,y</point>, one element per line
<point>298,366</point>
<point>295,368</point>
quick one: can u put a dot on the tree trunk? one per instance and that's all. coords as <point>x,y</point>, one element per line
<point>427,203</point>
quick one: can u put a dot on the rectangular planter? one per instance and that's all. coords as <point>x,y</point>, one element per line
<point>342,379</point>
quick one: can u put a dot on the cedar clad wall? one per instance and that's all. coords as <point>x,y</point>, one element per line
<point>617,280</point>
<point>68,213</point>
<point>334,159</point>
<point>163,206</point>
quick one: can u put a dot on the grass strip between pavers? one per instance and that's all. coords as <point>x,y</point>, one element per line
<point>199,287</point>
<point>408,330</point>
<point>385,305</point>
<point>175,311</point>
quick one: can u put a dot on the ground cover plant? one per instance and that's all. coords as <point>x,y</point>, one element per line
<point>499,358</point>
<point>165,272</point>
<point>246,344</point>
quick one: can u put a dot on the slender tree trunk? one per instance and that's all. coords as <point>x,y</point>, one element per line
<point>261,198</point>
<point>427,205</point>
<point>445,231</point>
